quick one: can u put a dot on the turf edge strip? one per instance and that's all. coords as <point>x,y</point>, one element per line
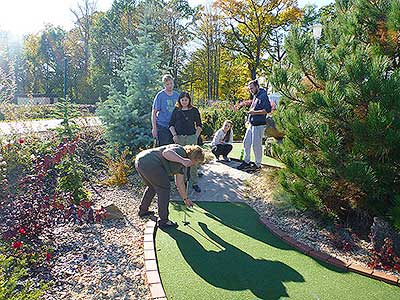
<point>349,266</point>
<point>150,263</point>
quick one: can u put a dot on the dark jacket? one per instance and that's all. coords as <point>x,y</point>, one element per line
<point>185,122</point>
<point>260,101</point>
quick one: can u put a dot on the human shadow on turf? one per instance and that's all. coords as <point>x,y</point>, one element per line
<point>232,269</point>
<point>241,218</point>
<point>230,215</point>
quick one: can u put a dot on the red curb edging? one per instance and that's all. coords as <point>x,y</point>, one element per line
<point>385,277</point>
<point>352,267</point>
<point>150,263</point>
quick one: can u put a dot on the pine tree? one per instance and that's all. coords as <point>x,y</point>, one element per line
<point>126,114</point>
<point>341,113</point>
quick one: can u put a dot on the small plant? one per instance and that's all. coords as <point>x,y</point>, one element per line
<point>70,172</point>
<point>385,258</point>
<point>342,238</point>
<point>13,282</point>
<point>118,169</point>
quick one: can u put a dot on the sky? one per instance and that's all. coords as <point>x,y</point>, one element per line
<point>29,16</point>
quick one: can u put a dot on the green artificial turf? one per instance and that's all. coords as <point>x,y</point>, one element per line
<point>237,148</point>
<point>226,253</point>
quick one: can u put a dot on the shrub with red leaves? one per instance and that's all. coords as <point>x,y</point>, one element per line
<point>385,258</point>
<point>28,214</point>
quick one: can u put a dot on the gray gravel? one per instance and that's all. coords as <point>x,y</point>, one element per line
<point>102,261</point>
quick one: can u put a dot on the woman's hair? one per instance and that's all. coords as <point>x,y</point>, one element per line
<point>227,136</point>
<point>194,152</point>
<point>183,95</point>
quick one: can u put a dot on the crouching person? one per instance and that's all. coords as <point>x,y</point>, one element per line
<point>222,141</point>
<point>155,166</point>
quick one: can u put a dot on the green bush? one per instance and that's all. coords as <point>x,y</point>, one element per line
<point>340,113</point>
<point>213,117</point>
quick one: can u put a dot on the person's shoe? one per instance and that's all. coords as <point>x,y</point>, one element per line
<point>243,165</point>
<point>196,188</point>
<point>253,168</point>
<point>226,158</point>
<point>144,214</point>
<point>168,224</point>
<point>200,174</point>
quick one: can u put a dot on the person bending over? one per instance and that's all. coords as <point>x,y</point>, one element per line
<point>155,166</point>
<point>222,141</point>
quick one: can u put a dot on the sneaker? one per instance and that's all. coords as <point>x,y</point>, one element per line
<point>243,166</point>
<point>196,188</point>
<point>168,224</point>
<point>253,168</point>
<point>226,158</point>
<point>148,213</point>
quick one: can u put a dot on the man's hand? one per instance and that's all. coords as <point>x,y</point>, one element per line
<point>252,112</point>
<point>154,132</point>
<point>188,202</point>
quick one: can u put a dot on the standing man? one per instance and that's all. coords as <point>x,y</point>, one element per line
<point>257,120</point>
<point>163,105</point>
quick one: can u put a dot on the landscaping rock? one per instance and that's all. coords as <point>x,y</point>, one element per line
<point>113,212</point>
<point>380,230</point>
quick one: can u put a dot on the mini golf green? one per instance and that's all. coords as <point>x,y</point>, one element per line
<point>237,148</point>
<point>226,253</point>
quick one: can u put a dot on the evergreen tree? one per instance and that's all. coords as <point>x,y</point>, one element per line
<point>126,113</point>
<point>341,113</point>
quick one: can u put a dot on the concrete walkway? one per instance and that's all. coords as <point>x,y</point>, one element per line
<point>221,182</point>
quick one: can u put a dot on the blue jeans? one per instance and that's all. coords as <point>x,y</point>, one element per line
<point>164,136</point>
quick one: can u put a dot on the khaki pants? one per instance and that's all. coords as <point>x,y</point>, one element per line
<point>184,140</point>
<point>156,179</point>
<point>253,137</point>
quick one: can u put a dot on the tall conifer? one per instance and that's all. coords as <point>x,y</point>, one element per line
<point>341,112</point>
<point>126,114</point>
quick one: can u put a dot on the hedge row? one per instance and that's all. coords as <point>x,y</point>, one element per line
<point>12,112</point>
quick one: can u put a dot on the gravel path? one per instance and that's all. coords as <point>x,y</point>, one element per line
<point>102,261</point>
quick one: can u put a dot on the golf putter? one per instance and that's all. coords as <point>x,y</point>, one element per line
<point>185,222</point>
